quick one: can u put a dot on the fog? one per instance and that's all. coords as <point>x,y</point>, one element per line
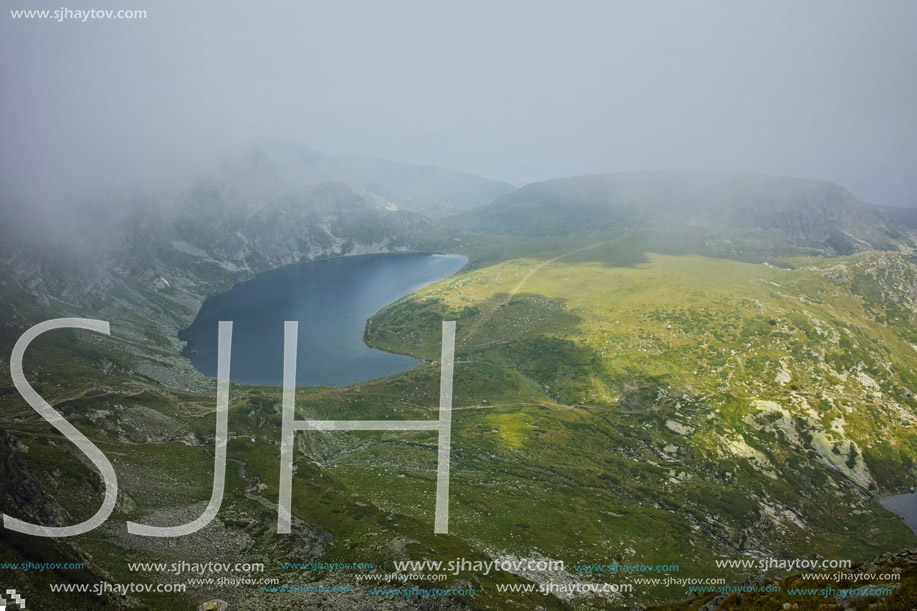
<point>516,91</point>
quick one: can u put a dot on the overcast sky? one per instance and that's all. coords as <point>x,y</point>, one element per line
<point>518,91</point>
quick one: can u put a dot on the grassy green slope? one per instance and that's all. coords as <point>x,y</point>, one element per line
<point>701,406</point>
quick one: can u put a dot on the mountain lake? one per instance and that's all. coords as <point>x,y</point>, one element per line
<point>332,299</point>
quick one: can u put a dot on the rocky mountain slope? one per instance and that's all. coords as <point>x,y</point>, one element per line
<point>274,204</point>
<point>431,190</point>
<point>146,260</point>
<point>905,216</point>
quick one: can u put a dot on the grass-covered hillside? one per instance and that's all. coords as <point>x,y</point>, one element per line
<point>721,406</point>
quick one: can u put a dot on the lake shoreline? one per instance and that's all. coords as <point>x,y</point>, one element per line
<point>904,506</point>
<point>334,299</point>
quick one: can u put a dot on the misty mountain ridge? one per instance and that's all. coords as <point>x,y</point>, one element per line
<point>795,212</point>
<point>905,216</point>
<point>278,202</point>
<point>432,190</point>
<point>263,174</point>
<point>272,205</point>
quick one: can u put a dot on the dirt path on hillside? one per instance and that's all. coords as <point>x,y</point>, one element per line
<point>473,329</point>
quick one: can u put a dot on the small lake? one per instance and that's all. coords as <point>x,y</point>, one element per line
<point>332,299</point>
<point>905,506</point>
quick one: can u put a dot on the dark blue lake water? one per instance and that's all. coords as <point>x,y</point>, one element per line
<point>904,505</point>
<point>332,299</point>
